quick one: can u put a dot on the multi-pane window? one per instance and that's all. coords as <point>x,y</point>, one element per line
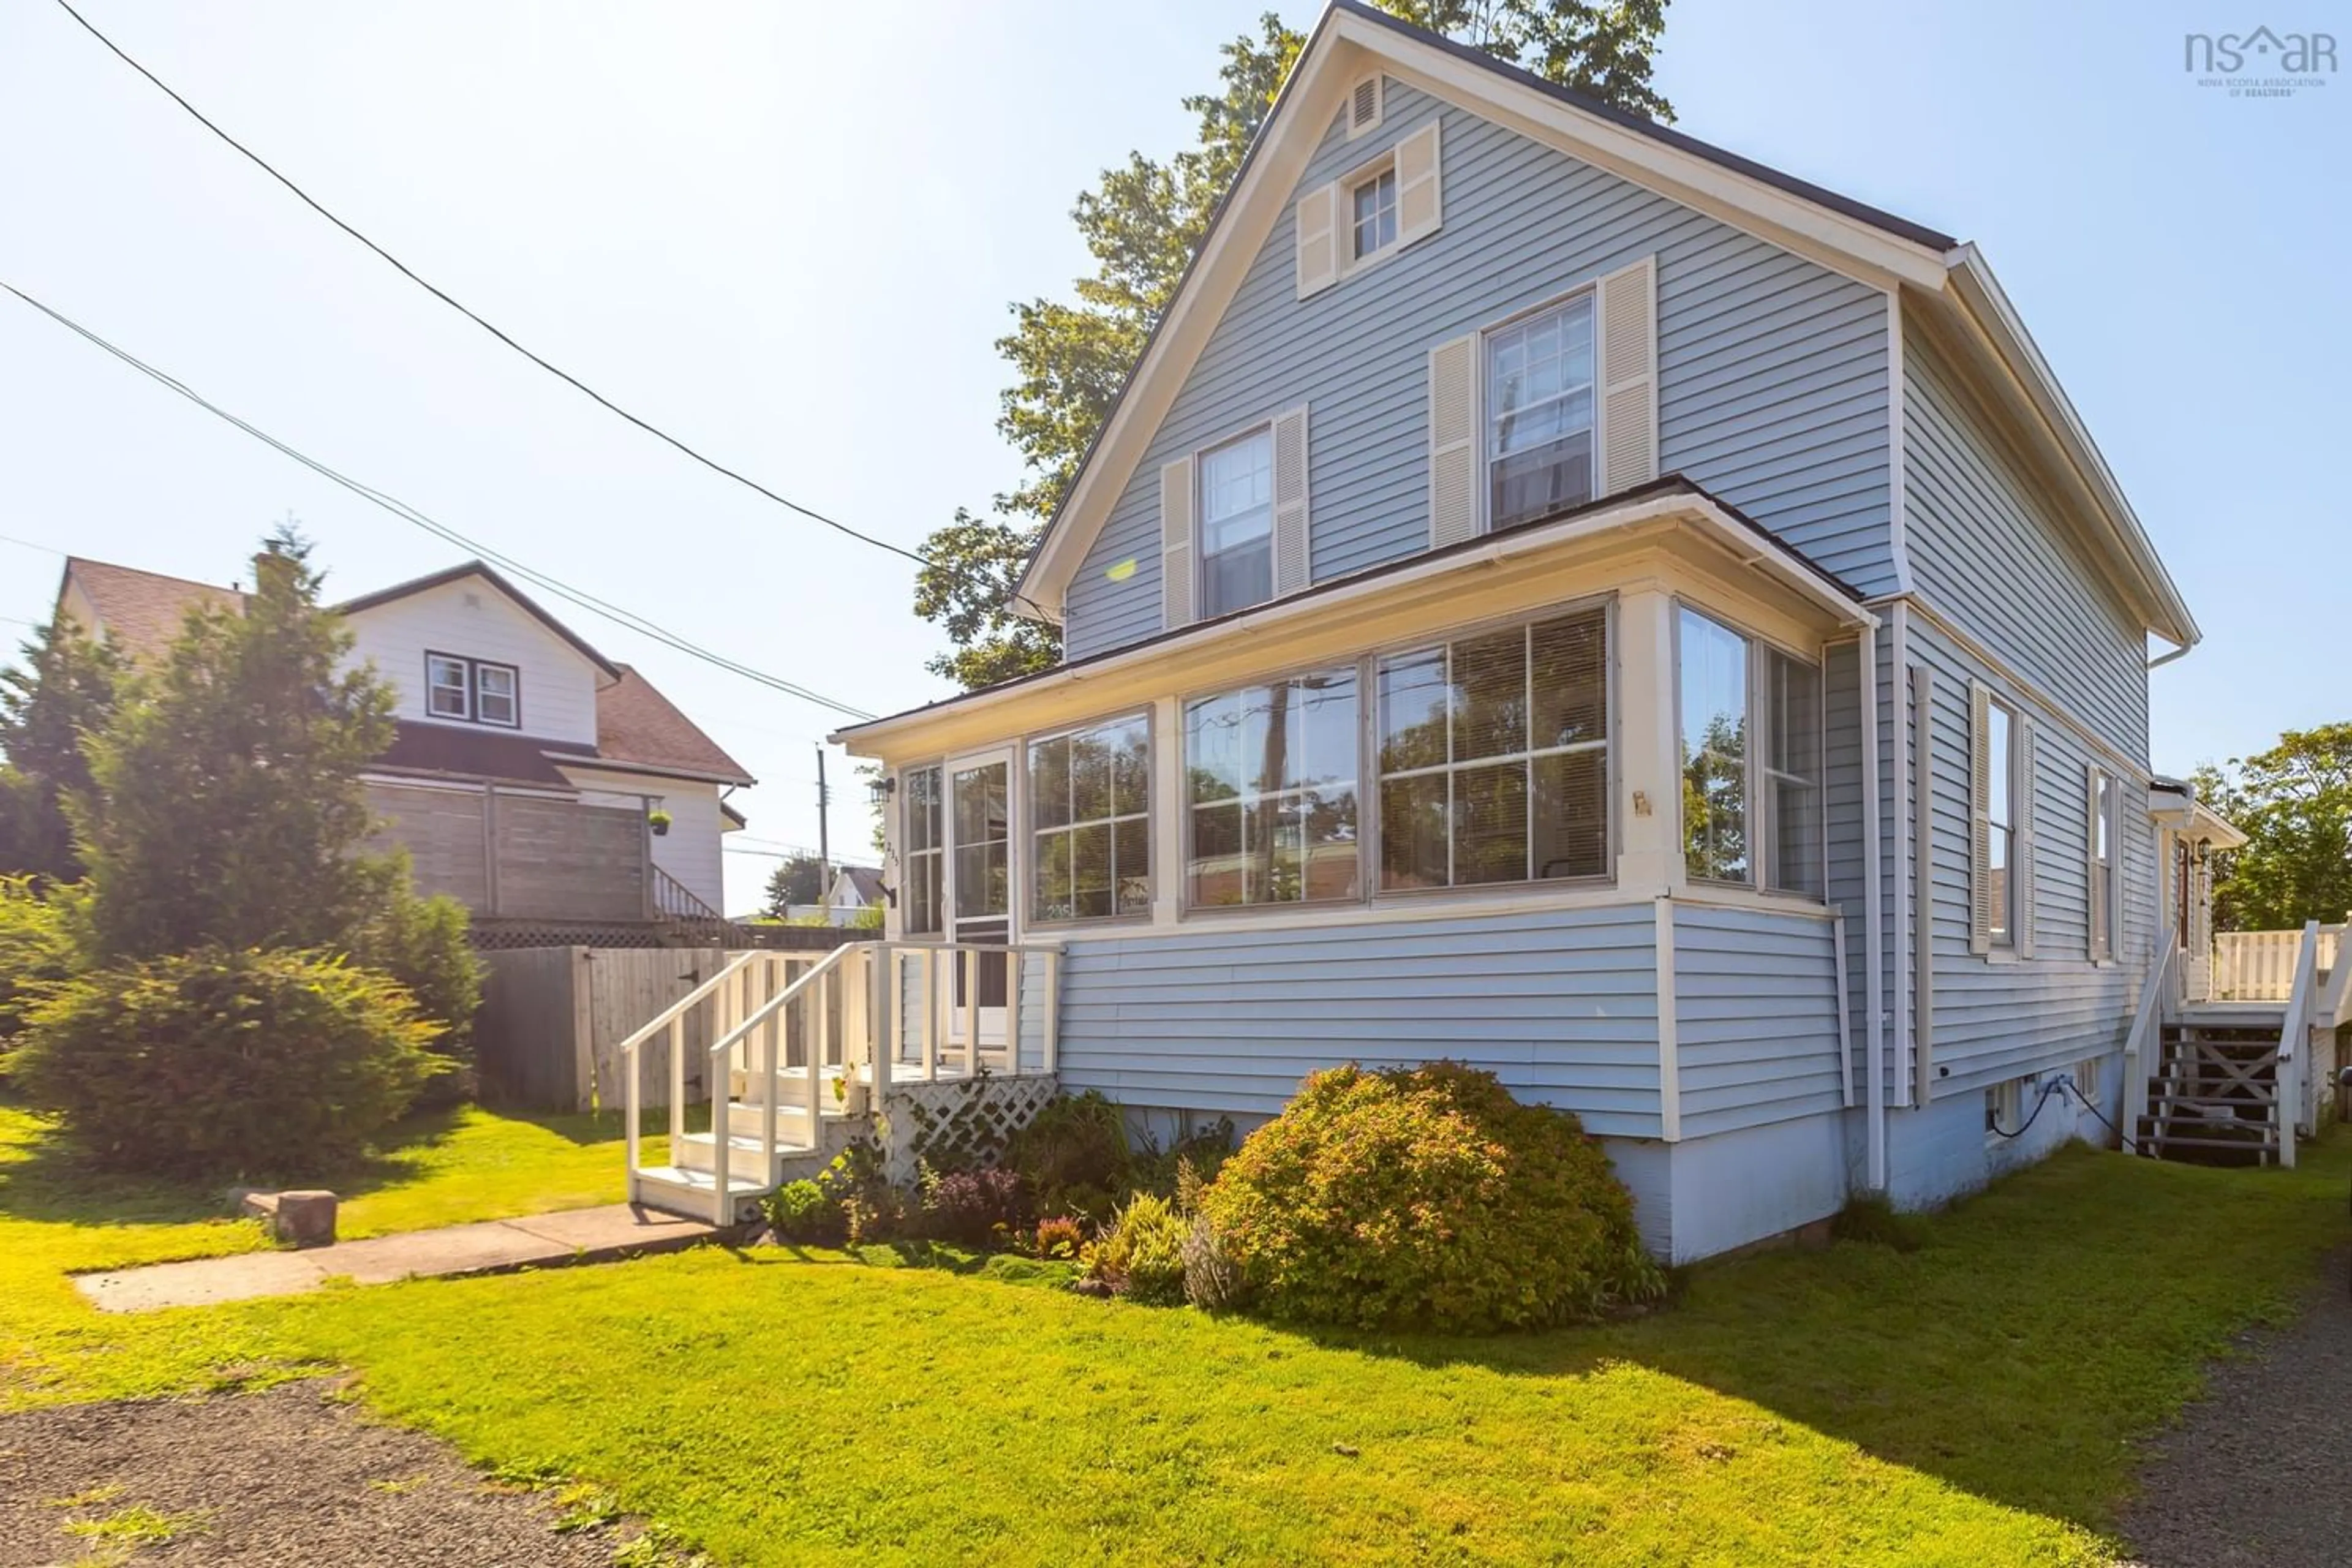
<point>1539,415</point>
<point>2105,828</point>
<point>1237,524</point>
<point>980,801</point>
<point>1270,789</point>
<point>2001,821</point>
<point>1493,757</point>
<point>1751,805</point>
<point>1376,213</point>
<point>473,689</point>
<point>1090,827</point>
<point>449,687</point>
<point>924,851</point>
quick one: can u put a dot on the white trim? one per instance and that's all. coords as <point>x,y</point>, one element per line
<point>1923,909</point>
<point>1670,1091</point>
<point>1873,937</point>
<point>1701,516</point>
<point>1911,729</point>
<point>1899,468</point>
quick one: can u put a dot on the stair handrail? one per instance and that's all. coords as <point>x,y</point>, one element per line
<point>722,1129</point>
<point>666,1021</point>
<point>2145,1022</point>
<point>2292,1068</point>
<point>2327,1010</point>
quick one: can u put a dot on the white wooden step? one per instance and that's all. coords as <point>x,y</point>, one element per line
<point>690,1193</point>
<point>699,1152</point>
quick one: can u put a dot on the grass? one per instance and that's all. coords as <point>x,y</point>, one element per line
<point>1975,1399</point>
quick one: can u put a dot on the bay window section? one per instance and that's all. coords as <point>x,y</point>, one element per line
<point>1090,825</point>
<point>1493,757</point>
<point>1751,793</point>
<point>924,851</point>
<point>1270,792</point>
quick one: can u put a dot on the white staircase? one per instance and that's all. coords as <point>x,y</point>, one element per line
<point>799,1049</point>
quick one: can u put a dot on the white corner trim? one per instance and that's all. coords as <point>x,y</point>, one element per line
<point>1670,1090</point>
<point>1898,512</point>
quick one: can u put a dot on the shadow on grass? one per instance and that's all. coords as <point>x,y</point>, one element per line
<point>1005,1267</point>
<point>2038,1333</point>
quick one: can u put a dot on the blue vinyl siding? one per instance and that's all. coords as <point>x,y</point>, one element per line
<point>1755,1025</point>
<point>1995,1020</point>
<point>1561,1005</point>
<point>1980,528</point>
<point>1773,372</point>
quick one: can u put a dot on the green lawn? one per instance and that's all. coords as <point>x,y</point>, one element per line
<point>1972,1401</point>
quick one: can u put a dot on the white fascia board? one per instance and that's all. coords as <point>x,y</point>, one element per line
<point>1701,516</point>
<point>1987,309</point>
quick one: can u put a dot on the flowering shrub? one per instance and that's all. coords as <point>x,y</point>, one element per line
<point>1061,1237</point>
<point>973,1208</point>
<point>1426,1198</point>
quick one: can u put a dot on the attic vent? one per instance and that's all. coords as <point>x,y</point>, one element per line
<point>472,601</point>
<point>1364,106</point>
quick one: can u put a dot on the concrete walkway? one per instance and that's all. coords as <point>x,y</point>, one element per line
<point>492,1247</point>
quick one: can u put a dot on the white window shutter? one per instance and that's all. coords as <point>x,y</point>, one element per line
<point>1318,239</point>
<point>1628,436</point>
<point>2022,842</point>
<point>1291,560</point>
<point>1979,819</point>
<point>1419,185</point>
<point>1452,441</point>
<point>1176,544</point>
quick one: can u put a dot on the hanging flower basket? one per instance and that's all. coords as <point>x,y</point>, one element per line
<point>658,821</point>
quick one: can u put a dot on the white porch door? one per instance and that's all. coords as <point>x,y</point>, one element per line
<point>980,883</point>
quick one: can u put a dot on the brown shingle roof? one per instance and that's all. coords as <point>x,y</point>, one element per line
<point>142,610</point>
<point>636,726</point>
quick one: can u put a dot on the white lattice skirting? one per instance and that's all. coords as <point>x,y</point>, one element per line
<point>958,1125</point>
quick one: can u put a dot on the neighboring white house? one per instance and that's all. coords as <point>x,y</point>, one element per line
<point>854,890</point>
<point>526,767</point>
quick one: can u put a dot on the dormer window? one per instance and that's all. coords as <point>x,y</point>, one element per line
<point>1374,201</point>
<point>473,690</point>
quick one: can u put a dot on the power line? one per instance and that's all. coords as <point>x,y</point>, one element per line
<point>400,509</point>
<point>558,372</point>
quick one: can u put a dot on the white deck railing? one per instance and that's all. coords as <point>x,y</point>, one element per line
<point>2258,965</point>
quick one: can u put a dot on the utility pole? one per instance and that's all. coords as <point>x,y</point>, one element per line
<point>823,847</point>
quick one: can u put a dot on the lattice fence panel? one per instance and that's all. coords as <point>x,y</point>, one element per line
<point>958,1125</point>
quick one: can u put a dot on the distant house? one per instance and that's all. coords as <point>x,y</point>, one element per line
<point>526,766</point>
<point>852,891</point>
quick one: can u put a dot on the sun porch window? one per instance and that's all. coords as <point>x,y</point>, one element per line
<point>1090,825</point>
<point>925,853</point>
<point>1751,760</point>
<point>1270,792</point>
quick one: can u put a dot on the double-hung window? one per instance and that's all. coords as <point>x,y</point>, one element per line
<point>1493,757</point>
<point>925,852</point>
<point>1237,524</point>
<point>2000,823</point>
<point>473,689</point>
<point>1751,760</point>
<point>1540,399</point>
<point>2105,889</point>
<point>1270,792</point>
<point>1090,825</point>
<point>1373,203</point>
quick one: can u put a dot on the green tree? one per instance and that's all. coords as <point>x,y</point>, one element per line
<point>66,688</point>
<point>226,805</point>
<point>1142,224</point>
<point>800,880</point>
<point>2293,803</point>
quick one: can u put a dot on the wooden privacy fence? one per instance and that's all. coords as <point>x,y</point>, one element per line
<point>552,1020</point>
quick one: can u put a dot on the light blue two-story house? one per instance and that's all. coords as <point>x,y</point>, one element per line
<point>1560,597</point>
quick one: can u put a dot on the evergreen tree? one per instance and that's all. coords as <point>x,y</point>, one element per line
<point>65,689</point>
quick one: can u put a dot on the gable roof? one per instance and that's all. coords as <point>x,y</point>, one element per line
<point>637,727</point>
<point>1902,257</point>
<point>865,881</point>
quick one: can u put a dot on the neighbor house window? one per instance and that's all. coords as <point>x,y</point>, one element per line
<point>1270,791</point>
<point>924,852</point>
<point>1751,758</point>
<point>1091,823</point>
<point>1237,524</point>
<point>1493,757</point>
<point>474,689</point>
<point>1539,415</point>
<point>2001,821</point>
<point>1375,198</point>
<point>2106,890</point>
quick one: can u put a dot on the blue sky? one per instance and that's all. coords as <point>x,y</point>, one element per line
<point>792,237</point>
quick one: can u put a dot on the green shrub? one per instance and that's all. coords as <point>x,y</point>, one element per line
<point>1427,1198</point>
<point>1141,1254</point>
<point>1205,1149</point>
<point>36,952</point>
<point>1062,1237</point>
<point>803,1211</point>
<point>423,943</point>
<point>1074,1155</point>
<point>226,1063</point>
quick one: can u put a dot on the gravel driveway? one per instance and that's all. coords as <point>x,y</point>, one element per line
<point>2258,1473</point>
<point>286,1476</point>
